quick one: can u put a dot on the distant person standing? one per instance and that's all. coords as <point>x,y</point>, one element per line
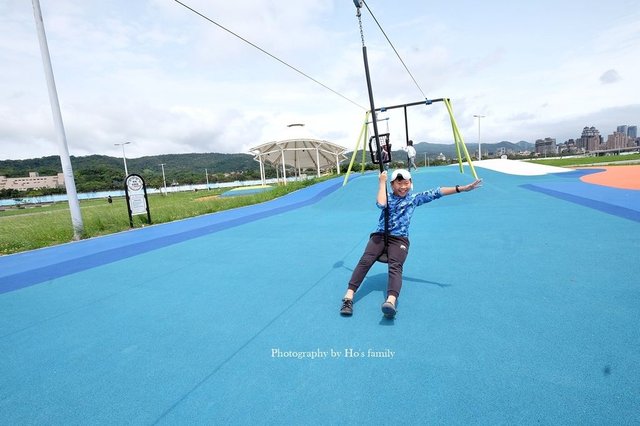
<point>109,199</point>
<point>411,154</point>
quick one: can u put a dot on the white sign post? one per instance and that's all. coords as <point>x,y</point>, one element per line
<point>137,201</point>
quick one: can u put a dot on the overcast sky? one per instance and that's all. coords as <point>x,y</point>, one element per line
<point>156,74</point>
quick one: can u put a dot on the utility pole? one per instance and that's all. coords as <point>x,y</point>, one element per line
<point>63,149</point>
<point>124,157</point>
<point>479,146</point>
<point>164,180</point>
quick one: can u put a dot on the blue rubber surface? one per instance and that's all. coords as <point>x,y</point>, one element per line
<point>24,269</point>
<point>619,202</point>
<point>518,307</point>
<point>245,191</point>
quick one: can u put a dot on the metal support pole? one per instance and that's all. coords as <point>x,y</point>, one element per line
<point>63,149</point>
<point>263,175</point>
<point>284,170</point>
<point>406,132</point>
<point>383,256</point>
<point>479,145</point>
<point>124,157</point>
<point>406,125</point>
<point>373,108</point>
<point>164,180</point>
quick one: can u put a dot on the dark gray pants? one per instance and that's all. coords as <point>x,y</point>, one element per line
<point>396,254</point>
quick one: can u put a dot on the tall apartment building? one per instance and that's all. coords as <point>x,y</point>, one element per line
<point>619,140</point>
<point>34,181</point>
<point>622,129</point>
<point>590,139</point>
<point>632,132</point>
<point>546,146</point>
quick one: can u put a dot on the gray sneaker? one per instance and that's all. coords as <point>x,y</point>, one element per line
<point>389,310</point>
<point>347,307</point>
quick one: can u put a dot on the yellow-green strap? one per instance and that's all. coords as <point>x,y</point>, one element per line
<point>355,151</point>
<point>459,141</point>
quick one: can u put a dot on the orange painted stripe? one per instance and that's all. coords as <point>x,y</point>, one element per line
<point>624,177</point>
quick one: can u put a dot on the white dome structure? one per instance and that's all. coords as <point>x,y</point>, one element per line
<point>299,153</point>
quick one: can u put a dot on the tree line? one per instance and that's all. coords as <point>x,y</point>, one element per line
<point>103,173</point>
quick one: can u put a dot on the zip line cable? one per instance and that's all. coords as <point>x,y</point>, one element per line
<point>394,49</point>
<point>269,54</point>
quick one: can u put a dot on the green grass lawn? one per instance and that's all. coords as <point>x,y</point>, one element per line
<point>35,227</point>
<point>582,161</point>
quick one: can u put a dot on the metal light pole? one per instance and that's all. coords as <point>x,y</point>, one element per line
<point>206,174</point>
<point>124,157</point>
<point>164,180</point>
<point>479,145</point>
<point>63,149</point>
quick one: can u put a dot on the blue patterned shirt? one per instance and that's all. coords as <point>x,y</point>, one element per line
<point>401,209</point>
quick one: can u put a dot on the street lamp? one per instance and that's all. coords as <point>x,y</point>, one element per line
<point>479,146</point>
<point>124,157</point>
<point>164,180</point>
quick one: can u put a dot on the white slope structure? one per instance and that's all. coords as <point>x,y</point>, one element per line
<point>517,167</point>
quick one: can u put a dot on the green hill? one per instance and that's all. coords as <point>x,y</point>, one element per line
<point>100,172</point>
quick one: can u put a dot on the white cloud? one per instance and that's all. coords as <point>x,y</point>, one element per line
<point>610,76</point>
<point>159,75</point>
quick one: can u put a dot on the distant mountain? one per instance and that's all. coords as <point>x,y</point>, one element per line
<point>449,150</point>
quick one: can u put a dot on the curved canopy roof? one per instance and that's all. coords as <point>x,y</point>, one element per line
<point>300,153</point>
